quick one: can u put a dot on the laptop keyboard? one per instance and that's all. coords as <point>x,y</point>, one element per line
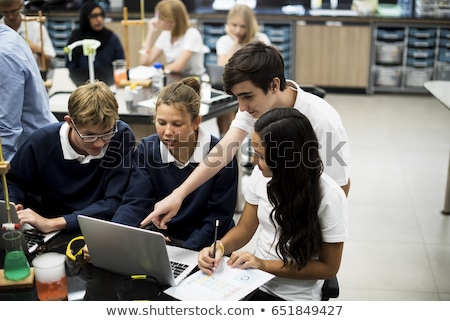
<point>33,237</point>
<point>178,268</point>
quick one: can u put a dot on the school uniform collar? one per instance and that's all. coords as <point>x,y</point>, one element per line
<point>69,153</point>
<point>202,149</point>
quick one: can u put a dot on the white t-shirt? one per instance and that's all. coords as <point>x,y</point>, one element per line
<point>32,31</point>
<point>225,42</point>
<point>334,150</point>
<point>333,220</point>
<point>191,41</point>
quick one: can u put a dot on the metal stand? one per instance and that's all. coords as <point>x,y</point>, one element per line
<point>446,210</point>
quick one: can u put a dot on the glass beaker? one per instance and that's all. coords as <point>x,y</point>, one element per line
<point>16,265</point>
<point>120,71</point>
<point>50,274</point>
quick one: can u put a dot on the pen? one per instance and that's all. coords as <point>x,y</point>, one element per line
<point>215,238</point>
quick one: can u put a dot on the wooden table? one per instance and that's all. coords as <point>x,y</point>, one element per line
<point>440,89</point>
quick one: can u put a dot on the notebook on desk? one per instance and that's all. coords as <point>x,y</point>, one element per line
<point>130,251</point>
<point>31,237</point>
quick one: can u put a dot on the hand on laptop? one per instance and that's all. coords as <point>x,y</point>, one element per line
<point>45,225</point>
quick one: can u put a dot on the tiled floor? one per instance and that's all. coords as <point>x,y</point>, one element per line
<point>399,242</point>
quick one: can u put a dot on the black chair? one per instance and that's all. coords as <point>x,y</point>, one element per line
<point>330,289</point>
<point>314,90</point>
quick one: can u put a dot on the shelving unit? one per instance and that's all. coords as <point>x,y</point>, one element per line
<point>348,53</point>
<point>407,56</point>
<point>279,33</point>
<point>442,70</point>
<point>59,32</point>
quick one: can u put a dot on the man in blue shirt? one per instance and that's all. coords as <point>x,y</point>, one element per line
<point>24,104</point>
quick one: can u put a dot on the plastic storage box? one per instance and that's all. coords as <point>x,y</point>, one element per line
<point>417,77</point>
<point>390,53</point>
<point>388,76</point>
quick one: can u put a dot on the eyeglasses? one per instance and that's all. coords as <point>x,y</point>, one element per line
<point>11,12</point>
<point>92,138</point>
<point>96,15</point>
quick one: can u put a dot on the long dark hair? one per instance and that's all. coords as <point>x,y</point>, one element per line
<point>292,154</point>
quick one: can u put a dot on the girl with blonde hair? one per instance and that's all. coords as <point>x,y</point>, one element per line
<point>181,44</point>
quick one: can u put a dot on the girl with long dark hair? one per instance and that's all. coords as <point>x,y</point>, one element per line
<point>303,226</point>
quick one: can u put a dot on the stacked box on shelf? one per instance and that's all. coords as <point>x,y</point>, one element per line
<point>443,8</point>
<point>211,33</point>
<point>426,8</point>
<point>442,70</point>
<point>280,35</point>
<point>420,56</point>
<point>59,32</point>
<point>389,56</point>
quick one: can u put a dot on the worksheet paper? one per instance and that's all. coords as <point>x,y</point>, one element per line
<point>225,284</point>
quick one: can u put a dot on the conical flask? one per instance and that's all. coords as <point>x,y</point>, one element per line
<point>16,265</point>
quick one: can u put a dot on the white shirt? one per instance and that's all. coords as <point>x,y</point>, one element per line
<point>191,41</point>
<point>69,153</point>
<point>31,29</point>
<point>333,220</point>
<point>225,42</point>
<point>334,147</point>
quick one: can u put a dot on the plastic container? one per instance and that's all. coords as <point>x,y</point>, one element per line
<point>389,77</point>
<point>444,55</point>
<point>442,71</point>
<point>158,78</point>
<point>389,53</point>
<point>417,77</point>
<point>390,34</point>
<point>421,52</point>
<point>419,62</point>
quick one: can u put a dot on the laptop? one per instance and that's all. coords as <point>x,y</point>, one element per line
<point>80,76</point>
<point>128,250</point>
<point>31,237</point>
<point>215,73</point>
<point>215,77</point>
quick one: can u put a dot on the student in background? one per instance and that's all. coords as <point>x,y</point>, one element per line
<point>164,160</point>
<point>92,26</point>
<point>241,28</point>
<point>303,223</point>
<point>255,75</point>
<point>24,104</point>
<point>29,30</point>
<point>181,44</point>
<point>78,166</point>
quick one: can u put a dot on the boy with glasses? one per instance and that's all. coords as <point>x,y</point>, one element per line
<point>29,30</point>
<point>79,166</point>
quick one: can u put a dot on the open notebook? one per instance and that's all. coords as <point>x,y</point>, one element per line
<point>31,237</point>
<point>130,251</point>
